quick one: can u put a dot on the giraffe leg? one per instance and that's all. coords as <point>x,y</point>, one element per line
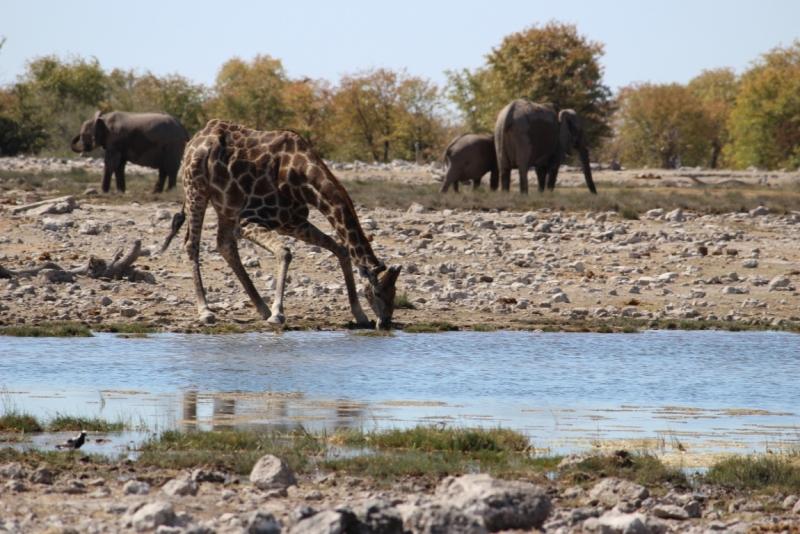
<point>196,205</point>
<point>226,244</point>
<point>311,234</point>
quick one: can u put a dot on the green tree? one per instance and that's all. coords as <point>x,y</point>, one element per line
<point>553,63</point>
<point>662,125</point>
<point>55,96</point>
<point>765,122</point>
<point>172,94</point>
<point>717,90</point>
<point>308,103</point>
<point>252,93</point>
<point>380,114</point>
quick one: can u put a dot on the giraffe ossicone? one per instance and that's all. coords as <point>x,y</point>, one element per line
<point>261,184</point>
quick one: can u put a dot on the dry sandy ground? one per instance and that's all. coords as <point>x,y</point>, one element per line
<point>495,269</point>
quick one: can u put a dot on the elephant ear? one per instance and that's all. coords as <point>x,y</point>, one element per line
<point>99,130</point>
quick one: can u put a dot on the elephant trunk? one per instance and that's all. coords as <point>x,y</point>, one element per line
<point>74,144</point>
<point>587,170</point>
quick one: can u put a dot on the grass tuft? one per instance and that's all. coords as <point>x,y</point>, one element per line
<point>762,472</point>
<point>47,330</point>
<point>483,328</point>
<point>135,329</point>
<point>431,327</point>
<point>402,302</point>
<point>63,423</point>
<point>629,214</point>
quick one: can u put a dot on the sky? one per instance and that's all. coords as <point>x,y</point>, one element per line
<point>660,41</point>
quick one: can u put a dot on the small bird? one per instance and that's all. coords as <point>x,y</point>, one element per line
<point>73,443</point>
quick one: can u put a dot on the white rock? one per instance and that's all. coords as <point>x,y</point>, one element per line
<point>750,264</point>
<point>417,208</point>
<point>270,472</point>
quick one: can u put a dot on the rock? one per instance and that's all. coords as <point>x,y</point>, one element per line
<point>106,301</point>
<point>416,208</point>
<point>750,264</point>
<point>261,522</point>
<point>201,475</point>
<point>270,472</point>
<point>675,215</point>
<point>667,277</point>
<point>435,518</point>
<point>654,214</point>
<point>670,511</point>
<point>13,470</point>
<point>134,487</point>
<point>152,515</point>
<point>617,523</point>
<point>790,501</point>
<point>379,517</point>
<point>503,504</point>
<point>734,290</point>
<point>41,475</point>
<point>183,485</point>
<point>560,297</point>
<point>53,225</point>
<point>796,508</point>
<point>89,227</point>
<point>325,522</point>
<point>15,486</point>
<point>163,215</point>
<point>54,276</point>
<point>759,211</point>
<point>779,282</point>
<point>611,491</point>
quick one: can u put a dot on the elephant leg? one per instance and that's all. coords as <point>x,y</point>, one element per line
<point>541,177</point>
<point>162,177</point>
<point>523,180</point>
<point>112,162</point>
<point>448,180</point>
<point>494,178</point>
<point>119,174</point>
<point>505,180</point>
<point>551,178</point>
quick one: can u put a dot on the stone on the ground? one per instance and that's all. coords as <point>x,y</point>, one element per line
<point>325,522</point>
<point>183,485</point>
<point>135,487</point>
<point>261,522</point>
<point>152,515</point>
<point>270,472</point>
<point>417,208</point>
<point>436,517</point>
<point>611,491</point>
<point>380,517</point>
<point>503,504</point>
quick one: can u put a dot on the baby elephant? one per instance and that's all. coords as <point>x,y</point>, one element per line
<point>468,158</point>
<point>154,140</point>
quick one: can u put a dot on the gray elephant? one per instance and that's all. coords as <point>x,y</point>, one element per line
<point>468,158</point>
<point>539,136</point>
<point>153,140</point>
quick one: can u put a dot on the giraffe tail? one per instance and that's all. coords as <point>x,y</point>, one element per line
<point>177,221</point>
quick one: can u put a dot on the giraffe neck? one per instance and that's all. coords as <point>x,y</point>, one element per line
<point>335,204</point>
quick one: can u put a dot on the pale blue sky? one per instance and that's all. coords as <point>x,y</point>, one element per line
<point>645,40</point>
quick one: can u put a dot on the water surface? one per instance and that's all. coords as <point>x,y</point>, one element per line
<point>707,391</point>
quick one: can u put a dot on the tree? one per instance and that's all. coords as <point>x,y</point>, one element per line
<point>308,104</point>
<point>765,122</point>
<point>252,93</point>
<point>172,94</point>
<point>661,125</point>
<point>55,96</point>
<point>548,64</point>
<point>717,91</point>
<point>380,114</point>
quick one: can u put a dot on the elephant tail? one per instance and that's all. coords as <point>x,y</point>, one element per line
<point>177,221</point>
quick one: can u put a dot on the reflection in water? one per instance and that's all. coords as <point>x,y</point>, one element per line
<point>189,422</point>
<point>222,414</point>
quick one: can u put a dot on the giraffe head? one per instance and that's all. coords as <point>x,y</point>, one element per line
<point>380,292</point>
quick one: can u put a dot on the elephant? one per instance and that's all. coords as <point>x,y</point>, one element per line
<point>153,140</point>
<point>539,136</point>
<point>468,158</point>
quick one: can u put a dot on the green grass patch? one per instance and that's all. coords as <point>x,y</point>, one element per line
<point>435,438</point>
<point>47,330</point>
<point>133,329</point>
<point>63,423</point>
<point>402,302</point>
<point>373,333</point>
<point>16,421</point>
<point>430,328</point>
<point>643,468</point>
<point>628,214</point>
<point>772,473</point>
<point>483,328</point>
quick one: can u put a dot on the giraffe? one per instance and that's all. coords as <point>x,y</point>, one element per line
<point>262,184</point>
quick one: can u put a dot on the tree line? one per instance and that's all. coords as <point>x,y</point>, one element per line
<point>719,119</point>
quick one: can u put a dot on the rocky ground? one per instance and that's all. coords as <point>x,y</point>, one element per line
<point>273,500</point>
<point>498,269</point>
